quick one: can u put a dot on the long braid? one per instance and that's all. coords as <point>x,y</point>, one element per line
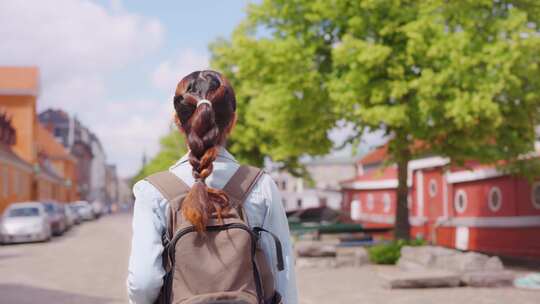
<point>204,132</point>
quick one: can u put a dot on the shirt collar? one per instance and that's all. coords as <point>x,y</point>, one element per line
<point>223,154</point>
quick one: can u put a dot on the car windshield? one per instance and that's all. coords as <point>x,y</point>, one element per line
<point>23,212</point>
<point>49,208</point>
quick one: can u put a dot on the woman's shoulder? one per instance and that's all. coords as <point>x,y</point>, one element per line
<point>148,194</point>
<point>264,191</point>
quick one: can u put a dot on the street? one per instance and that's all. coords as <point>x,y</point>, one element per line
<point>88,266</point>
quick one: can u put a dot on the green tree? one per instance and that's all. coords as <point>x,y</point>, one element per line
<point>172,147</point>
<point>453,78</point>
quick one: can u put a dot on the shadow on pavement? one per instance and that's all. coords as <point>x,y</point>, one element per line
<point>24,294</point>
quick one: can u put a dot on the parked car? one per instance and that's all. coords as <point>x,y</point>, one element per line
<point>71,211</point>
<point>25,222</point>
<point>85,210</point>
<point>70,215</point>
<point>57,217</point>
<point>98,208</point>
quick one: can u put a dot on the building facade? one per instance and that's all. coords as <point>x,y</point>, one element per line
<point>15,173</point>
<point>33,166</point>
<point>320,189</point>
<point>474,208</point>
<point>86,148</point>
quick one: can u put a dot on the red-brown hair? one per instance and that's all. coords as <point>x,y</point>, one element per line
<point>206,128</point>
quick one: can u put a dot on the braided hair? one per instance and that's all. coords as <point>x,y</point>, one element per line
<point>206,126</point>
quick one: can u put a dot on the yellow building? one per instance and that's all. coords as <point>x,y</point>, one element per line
<point>34,165</point>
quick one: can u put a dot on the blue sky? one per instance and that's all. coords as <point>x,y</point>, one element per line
<point>114,64</point>
<point>188,25</point>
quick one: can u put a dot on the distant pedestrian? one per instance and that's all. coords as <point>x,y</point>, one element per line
<point>209,230</point>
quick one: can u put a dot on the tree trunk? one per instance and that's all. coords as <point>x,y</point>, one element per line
<point>402,226</point>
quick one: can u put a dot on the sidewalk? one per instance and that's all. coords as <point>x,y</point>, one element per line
<point>362,285</point>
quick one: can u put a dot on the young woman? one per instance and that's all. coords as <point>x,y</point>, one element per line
<point>205,107</point>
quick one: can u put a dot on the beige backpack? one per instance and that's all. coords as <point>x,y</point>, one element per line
<point>226,265</point>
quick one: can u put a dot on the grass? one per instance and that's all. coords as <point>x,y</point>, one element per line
<point>389,253</point>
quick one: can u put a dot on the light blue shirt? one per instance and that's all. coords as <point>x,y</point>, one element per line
<point>263,208</point>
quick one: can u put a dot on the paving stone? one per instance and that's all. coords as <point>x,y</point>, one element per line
<point>315,262</point>
<point>420,279</point>
<point>351,256</point>
<point>408,265</point>
<point>494,263</point>
<point>315,249</point>
<point>426,256</point>
<point>487,278</point>
<point>463,262</point>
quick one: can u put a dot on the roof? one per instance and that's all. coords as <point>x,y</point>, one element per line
<point>19,81</point>
<point>50,146</point>
<point>381,178</point>
<point>377,155</point>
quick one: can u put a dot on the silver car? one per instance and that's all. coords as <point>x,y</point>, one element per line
<point>25,222</point>
<point>72,216</point>
<point>85,210</point>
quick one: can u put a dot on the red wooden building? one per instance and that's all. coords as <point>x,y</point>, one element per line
<point>478,208</point>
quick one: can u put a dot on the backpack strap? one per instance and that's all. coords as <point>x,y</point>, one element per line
<point>171,187</point>
<point>240,185</point>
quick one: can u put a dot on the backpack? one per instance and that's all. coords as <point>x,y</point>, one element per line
<point>224,265</point>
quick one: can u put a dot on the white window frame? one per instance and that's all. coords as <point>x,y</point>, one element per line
<point>460,193</point>
<point>491,203</point>
<point>370,202</point>
<point>356,209</point>
<point>535,204</point>
<point>387,203</point>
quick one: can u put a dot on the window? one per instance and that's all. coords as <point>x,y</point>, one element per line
<point>356,210</point>
<point>460,201</point>
<point>5,182</point>
<point>369,203</point>
<point>17,182</point>
<point>432,188</point>
<point>299,203</point>
<point>495,199</point>
<point>387,201</point>
<point>535,195</point>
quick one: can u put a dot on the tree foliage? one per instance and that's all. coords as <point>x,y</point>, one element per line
<point>459,77</point>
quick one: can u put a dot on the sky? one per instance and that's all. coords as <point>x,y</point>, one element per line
<point>115,64</point>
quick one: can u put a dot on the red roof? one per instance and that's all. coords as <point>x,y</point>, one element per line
<point>382,173</point>
<point>378,155</point>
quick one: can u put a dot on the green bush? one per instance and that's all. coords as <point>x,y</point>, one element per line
<point>389,253</point>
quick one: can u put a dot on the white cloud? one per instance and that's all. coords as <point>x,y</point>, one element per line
<point>66,36</point>
<point>169,73</point>
<point>133,132</point>
<point>76,44</point>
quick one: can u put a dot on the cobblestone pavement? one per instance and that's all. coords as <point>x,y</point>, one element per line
<point>88,266</point>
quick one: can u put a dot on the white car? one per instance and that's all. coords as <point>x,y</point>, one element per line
<point>85,210</point>
<point>25,222</point>
<point>97,208</point>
